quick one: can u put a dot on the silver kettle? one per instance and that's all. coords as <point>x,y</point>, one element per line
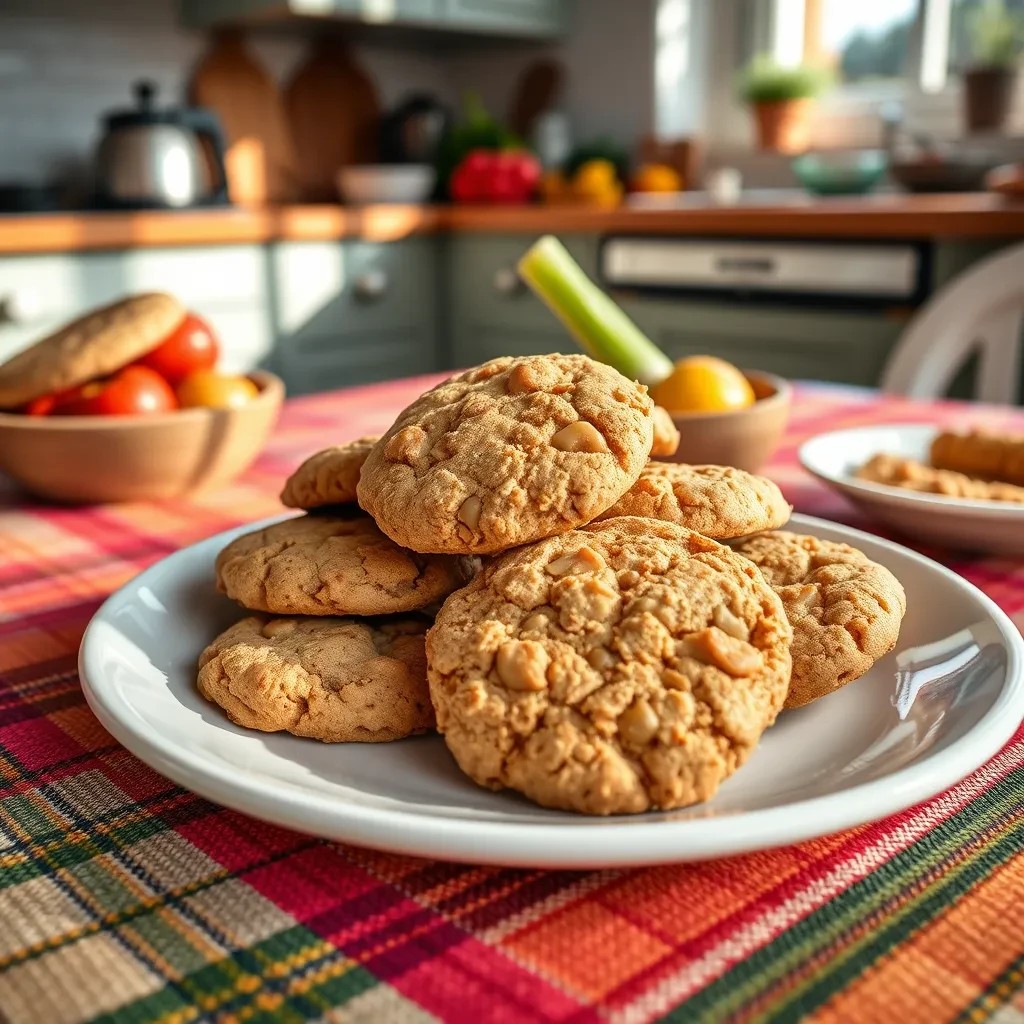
<point>168,158</point>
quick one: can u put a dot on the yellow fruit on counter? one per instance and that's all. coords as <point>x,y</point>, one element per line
<point>596,182</point>
<point>704,384</point>
<point>657,178</point>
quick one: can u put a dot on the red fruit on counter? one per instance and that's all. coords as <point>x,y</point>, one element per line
<point>493,176</point>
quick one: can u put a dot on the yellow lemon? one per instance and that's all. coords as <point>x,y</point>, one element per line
<point>595,175</point>
<point>704,384</point>
<point>657,178</point>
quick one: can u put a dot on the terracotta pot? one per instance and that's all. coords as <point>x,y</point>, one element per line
<point>988,95</point>
<point>783,125</point>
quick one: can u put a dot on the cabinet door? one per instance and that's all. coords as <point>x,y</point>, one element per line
<point>325,363</point>
<point>348,313</point>
<point>526,17</point>
<point>493,313</point>
<point>846,347</point>
<point>224,283</point>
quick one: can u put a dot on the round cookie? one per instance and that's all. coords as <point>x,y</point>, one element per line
<point>629,665</point>
<point>845,609</point>
<point>336,680</point>
<point>719,501</point>
<point>666,435</point>
<point>94,345</point>
<point>508,452</point>
<point>333,565</point>
<point>328,477</point>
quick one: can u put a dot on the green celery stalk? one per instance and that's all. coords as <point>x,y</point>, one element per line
<point>596,321</point>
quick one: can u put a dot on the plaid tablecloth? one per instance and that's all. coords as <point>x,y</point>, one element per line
<point>126,898</point>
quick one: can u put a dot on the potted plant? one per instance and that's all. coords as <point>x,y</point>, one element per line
<point>989,83</point>
<point>781,98</point>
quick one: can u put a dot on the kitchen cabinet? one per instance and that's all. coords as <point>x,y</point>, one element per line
<point>351,312</point>
<point>227,284</point>
<point>795,342</point>
<point>532,17</point>
<point>491,312</point>
<point>537,19</point>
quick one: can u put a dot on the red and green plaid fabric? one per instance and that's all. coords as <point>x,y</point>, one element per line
<point>126,898</point>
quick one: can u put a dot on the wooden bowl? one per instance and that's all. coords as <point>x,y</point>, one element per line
<point>745,438</point>
<point>88,459</point>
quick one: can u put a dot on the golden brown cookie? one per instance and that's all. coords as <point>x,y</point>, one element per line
<point>328,477</point>
<point>336,680</point>
<point>666,436</point>
<point>333,565</point>
<point>629,665</point>
<point>845,609</point>
<point>508,452</point>
<point>94,345</point>
<point>895,471</point>
<point>981,453</point>
<point>719,501</point>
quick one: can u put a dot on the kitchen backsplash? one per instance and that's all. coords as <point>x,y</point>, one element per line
<point>64,62</point>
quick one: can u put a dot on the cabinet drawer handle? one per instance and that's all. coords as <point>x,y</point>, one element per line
<point>370,285</point>
<point>507,281</point>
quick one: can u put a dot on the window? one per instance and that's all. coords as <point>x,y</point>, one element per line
<point>863,42</point>
<point>879,47</point>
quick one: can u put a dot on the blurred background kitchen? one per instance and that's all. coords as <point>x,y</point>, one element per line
<point>340,186</point>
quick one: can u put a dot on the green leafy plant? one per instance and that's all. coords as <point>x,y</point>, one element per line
<point>765,81</point>
<point>997,37</point>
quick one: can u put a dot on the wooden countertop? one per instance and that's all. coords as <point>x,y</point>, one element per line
<point>968,215</point>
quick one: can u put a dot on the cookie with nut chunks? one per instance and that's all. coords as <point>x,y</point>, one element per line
<point>844,608</point>
<point>506,453</point>
<point>333,565</point>
<point>328,477</point>
<point>626,666</point>
<point>330,679</point>
<point>721,502</point>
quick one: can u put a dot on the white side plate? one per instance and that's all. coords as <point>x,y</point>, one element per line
<point>964,523</point>
<point>947,700</point>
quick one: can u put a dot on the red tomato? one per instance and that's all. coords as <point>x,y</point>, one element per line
<point>41,406</point>
<point>133,391</point>
<point>191,346</point>
<point>49,404</point>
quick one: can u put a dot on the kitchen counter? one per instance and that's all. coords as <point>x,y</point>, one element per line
<point>961,216</point>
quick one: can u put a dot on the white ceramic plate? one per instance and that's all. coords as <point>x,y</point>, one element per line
<point>964,523</point>
<point>925,716</point>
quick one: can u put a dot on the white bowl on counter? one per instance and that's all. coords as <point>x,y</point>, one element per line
<point>363,184</point>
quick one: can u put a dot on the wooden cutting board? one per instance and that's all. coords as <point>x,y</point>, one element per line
<point>539,89</point>
<point>261,163</point>
<point>334,116</point>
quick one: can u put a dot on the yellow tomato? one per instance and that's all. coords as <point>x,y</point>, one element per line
<point>704,384</point>
<point>657,178</point>
<point>215,390</point>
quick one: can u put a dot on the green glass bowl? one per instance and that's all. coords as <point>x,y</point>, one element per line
<point>842,173</point>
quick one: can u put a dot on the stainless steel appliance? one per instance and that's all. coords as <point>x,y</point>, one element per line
<point>150,157</point>
<point>805,272</point>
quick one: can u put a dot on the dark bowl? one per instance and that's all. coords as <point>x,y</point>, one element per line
<point>941,175</point>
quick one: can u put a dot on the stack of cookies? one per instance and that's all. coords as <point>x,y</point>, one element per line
<point>600,646</point>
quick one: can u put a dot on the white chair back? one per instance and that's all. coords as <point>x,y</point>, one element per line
<point>979,311</point>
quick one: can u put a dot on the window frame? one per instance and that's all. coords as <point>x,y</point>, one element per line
<point>848,114</point>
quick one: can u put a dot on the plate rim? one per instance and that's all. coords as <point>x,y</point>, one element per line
<point>627,840</point>
<point>980,508</point>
